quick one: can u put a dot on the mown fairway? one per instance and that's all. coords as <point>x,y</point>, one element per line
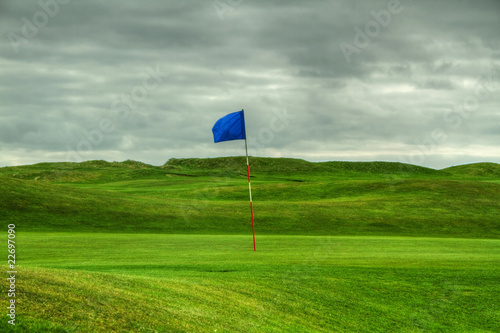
<point>202,283</point>
<point>352,247</point>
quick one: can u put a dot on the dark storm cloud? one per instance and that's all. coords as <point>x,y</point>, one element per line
<point>79,85</point>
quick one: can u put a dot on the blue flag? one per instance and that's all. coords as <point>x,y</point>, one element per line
<point>230,127</point>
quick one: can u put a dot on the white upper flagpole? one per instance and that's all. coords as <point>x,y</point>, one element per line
<point>250,192</point>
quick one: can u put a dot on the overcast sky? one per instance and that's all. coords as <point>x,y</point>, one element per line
<point>409,81</point>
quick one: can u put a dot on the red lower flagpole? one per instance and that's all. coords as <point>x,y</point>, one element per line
<point>250,192</point>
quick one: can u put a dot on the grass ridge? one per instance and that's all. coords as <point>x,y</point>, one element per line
<point>210,196</point>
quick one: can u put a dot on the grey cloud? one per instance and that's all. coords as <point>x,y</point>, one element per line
<point>436,84</point>
<point>264,57</point>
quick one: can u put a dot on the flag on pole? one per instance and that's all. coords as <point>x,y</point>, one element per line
<point>232,127</point>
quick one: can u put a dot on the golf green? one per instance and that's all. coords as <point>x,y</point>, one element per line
<point>81,282</point>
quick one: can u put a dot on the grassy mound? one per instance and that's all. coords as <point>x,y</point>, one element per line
<point>487,170</point>
<point>89,171</point>
<point>288,166</point>
<point>211,196</point>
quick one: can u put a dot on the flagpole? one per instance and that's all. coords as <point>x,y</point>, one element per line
<point>250,192</point>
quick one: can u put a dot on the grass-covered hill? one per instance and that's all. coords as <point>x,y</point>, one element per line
<point>210,196</point>
<point>488,170</point>
<point>102,171</point>
<point>130,247</point>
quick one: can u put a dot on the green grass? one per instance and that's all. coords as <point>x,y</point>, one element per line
<point>290,197</point>
<point>487,170</point>
<point>342,246</point>
<point>202,283</point>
